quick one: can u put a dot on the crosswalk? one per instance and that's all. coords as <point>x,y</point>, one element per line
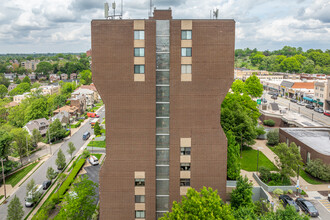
<point>325,203</point>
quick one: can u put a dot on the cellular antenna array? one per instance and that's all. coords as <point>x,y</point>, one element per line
<point>113,6</point>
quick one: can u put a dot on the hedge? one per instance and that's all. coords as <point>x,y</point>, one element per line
<point>269,122</point>
<point>76,125</point>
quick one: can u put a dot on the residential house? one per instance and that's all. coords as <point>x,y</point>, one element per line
<point>73,76</point>
<point>79,102</point>
<point>33,77</point>
<point>54,77</point>
<point>21,77</point>
<point>19,98</point>
<point>72,110</point>
<point>41,125</point>
<point>47,90</point>
<point>10,76</point>
<point>42,77</point>
<point>63,116</point>
<point>93,88</point>
<point>12,86</point>
<point>11,104</point>
<point>89,94</point>
<point>64,76</point>
<point>30,64</point>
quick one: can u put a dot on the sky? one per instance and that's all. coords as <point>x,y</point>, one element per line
<point>63,26</point>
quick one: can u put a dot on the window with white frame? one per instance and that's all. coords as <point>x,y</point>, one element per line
<point>186,52</point>
<point>185,68</point>
<point>138,35</point>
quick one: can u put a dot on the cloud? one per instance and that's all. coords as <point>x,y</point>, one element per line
<point>319,10</point>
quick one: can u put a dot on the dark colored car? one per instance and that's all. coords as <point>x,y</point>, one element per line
<point>307,207</point>
<point>86,135</point>
<point>61,168</point>
<point>287,200</point>
<point>293,100</point>
<point>310,106</point>
<point>274,97</point>
<point>264,100</point>
<point>46,184</point>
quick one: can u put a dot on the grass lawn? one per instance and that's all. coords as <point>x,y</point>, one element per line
<point>98,156</point>
<point>97,144</point>
<point>1,197</point>
<point>308,178</point>
<point>18,176</point>
<point>249,160</point>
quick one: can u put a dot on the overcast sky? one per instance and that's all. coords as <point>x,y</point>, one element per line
<point>44,26</point>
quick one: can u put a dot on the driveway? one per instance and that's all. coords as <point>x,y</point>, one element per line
<point>93,174</point>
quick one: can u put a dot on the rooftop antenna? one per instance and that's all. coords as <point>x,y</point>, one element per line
<point>150,9</point>
<point>113,6</point>
<point>215,13</point>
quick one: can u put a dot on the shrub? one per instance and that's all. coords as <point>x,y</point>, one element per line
<point>76,125</point>
<point>290,191</point>
<point>303,193</point>
<point>85,154</point>
<point>67,133</point>
<point>81,120</point>
<point>278,191</point>
<point>269,122</point>
<point>318,169</point>
<point>49,205</point>
<point>273,137</point>
<point>264,174</point>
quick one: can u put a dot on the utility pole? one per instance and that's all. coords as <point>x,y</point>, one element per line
<point>3,177</point>
<point>50,146</point>
<point>258,161</point>
<point>298,180</point>
<point>27,149</point>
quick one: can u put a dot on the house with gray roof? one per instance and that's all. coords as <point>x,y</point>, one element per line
<point>41,125</point>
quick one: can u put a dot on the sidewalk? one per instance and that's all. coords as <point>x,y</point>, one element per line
<point>10,190</point>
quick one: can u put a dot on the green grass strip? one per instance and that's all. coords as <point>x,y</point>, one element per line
<point>249,160</point>
<point>96,144</point>
<point>98,156</point>
<point>308,178</point>
<point>18,176</point>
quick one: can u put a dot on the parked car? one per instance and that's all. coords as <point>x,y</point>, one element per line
<point>326,113</point>
<point>273,97</point>
<point>293,100</point>
<point>92,115</point>
<point>307,207</point>
<point>287,200</point>
<point>310,106</point>
<point>61,168</point>
<point>86,135</point>
<point>36,192</point>
<point>302,103</point>
<point>263,100</point>
<point>93,160</point>
<point>319,110</point>
<point>46,184</point>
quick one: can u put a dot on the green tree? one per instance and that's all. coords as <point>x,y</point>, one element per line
<point>16,116</point>
<point>97,129</point>
<point>3,80</point>
<point>36,85</point>
<point>26,80</point>
<point>238,86</point>
<point>37,109</point>
<point>288,159</point>
<point>21,141</point>
<point>80,204</point>
<point>273,137</point>
<point>256,58</point>
<point>233,157</point>
<point>71,148</point>
<point>42,214</point>
<point>5,140</point>
<point>67,89</point>
<point>308,66</point>
<point>3,91</point>
<point>44,68</point>
<point>206,204</point>
<point>50,173</point>
<point>20,89</point>
<point>290,64</point>
<point>36,137</point>
<point>31,192</point>
<point>253,86</point>
<point>281,213</point>
<point>241,196</point>
<point>15,209</point>
<point>85,77</point>
<point>60,160</point>
<point>55,130</point>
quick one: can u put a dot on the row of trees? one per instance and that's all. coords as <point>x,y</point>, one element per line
<point>288,59</point>
<point>239,120</point>
<point>207,204</point>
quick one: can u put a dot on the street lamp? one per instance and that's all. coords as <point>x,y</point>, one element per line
<point>50,146</point>
<point>3,177</point>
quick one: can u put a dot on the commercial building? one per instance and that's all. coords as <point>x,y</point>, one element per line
<point>162,81</point>
<point>313,143</point>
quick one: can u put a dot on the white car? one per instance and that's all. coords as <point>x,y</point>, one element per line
<point>35,193</point>
<point>301,103</point>
<point>93,160</point>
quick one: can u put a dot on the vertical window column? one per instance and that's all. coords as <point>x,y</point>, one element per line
<point>185,165</point>
<point>139,183</point>
<point>162,116</point>
<point>139,51</point>
<point>186,50</point>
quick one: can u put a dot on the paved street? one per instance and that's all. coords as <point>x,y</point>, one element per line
<point>40,175</point>
<point>324,213</point>
<point>308,113</point>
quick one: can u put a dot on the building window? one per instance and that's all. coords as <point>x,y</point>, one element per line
<point>138,69</point>
<point>186,52</point>
<point>186,68</point>
<point>184,182</point>
<point>308,157</point>
<point>138,35</point>
<point>185,35</point>
<point>184,166</point>
<point>139,52</point>
<point>140,214</point>
<point>185,150</point>
<point>139,199</point>
<point>139,182</point>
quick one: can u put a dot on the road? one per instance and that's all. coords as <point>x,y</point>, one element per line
<point>324,213</point>
<point>40,174</point>
<point>308,113</point>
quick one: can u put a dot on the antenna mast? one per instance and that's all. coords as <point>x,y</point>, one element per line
<point>113,5</point>
<point>150,9</point>
<point>215,13</point>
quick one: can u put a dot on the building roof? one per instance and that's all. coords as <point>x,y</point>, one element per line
<point>11,104</point>
<point>61,115</point>
<point>36,124</point>
<point>83,91</point>
<point>90,87</point>
<point>316,138</point>
<point>303,85</point>
<point>67,108</point>
<point>287,84</point>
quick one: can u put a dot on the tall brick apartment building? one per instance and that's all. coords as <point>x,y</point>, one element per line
<point>162,81</point>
